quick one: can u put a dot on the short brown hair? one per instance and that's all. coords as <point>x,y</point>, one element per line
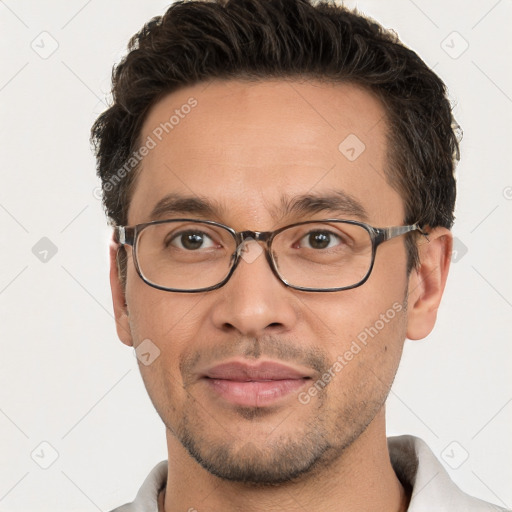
<point>196,41</point>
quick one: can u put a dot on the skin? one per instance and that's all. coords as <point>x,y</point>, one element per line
<point>245,145</point>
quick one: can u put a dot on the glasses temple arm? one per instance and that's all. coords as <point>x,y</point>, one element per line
<point>393,232</point>
<point>124,235</point>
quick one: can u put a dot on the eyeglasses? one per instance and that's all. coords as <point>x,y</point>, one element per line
<point>189,255</point>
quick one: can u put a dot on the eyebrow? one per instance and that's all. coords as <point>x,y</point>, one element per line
<point>337,203</point>
<point>177,204</point>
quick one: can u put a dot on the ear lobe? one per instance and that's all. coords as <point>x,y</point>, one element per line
<point>426,283</point>
<point>119,298</point>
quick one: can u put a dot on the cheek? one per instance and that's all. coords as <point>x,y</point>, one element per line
<point>363,331</point>
<point>162,325</point>
<point>389,274</point>
<point>374,309</point>
<point>162,329</point>
<point>156,314</point>
<point>365,363</point>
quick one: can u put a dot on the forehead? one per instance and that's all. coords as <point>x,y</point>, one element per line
<point>252,146</point>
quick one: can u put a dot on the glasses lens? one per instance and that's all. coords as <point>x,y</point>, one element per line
<point>185,255</point>
<point>323,255</point>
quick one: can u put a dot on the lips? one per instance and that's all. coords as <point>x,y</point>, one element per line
<point>252,385</point>
<point>261,372</point>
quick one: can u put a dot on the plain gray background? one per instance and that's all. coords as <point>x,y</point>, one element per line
<point>65,379</point>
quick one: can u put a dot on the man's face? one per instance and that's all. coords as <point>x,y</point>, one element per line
<point>248,149</point>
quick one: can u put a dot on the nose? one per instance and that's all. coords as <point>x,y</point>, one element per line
<point>254,301</point>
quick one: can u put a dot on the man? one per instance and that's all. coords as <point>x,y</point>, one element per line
<point>280,180</point>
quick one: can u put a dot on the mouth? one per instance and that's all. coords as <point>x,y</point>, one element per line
<point>254,385</point>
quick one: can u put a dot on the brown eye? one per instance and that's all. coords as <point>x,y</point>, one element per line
<point>191,240</point>
<point>319,240</point>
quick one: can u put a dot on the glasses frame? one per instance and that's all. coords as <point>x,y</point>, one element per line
<point>129,235</point>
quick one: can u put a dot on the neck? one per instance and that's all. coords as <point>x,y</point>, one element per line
<point>360,479</point>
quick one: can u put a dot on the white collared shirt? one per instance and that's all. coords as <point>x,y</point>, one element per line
<point>411,458</point>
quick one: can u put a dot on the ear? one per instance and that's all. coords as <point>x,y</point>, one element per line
<point>427,282</point>
<point>119,298</point>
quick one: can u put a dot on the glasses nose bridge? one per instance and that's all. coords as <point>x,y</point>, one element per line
<point>259,236</point>
<point>256,236</point>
